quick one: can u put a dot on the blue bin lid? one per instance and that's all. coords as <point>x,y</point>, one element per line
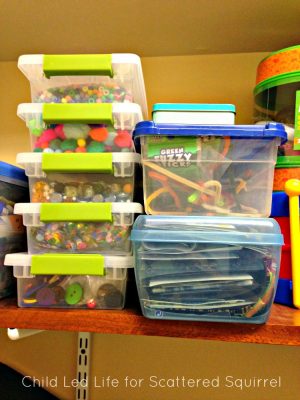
<point>268,131</point>
<point>193,107</point>
<point>198,229</point>
<point>12,172</point>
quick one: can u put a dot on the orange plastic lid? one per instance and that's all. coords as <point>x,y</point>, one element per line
<point>279,62</point>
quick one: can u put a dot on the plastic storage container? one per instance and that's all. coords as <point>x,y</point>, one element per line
<point>277,80</point>
<point>12,238</point>
<point>286,168</point>
<point>87,177</point>
<point>13,187</point>
<point>78,227</point>
<point>7,281</point>
<point>208,170</point>
<point>70,281</point>
<point>206,268</point>
<point>183,113</point>
<point>80,128</point>
<point>85,78</point>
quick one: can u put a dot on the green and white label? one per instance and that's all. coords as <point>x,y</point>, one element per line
<point>297,122</point>
<point>172,152</point>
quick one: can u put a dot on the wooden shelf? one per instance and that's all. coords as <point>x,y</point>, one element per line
<point>282,328</point>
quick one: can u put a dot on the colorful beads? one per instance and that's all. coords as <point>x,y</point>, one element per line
<point>120,190</point>
<point>107,92</point>
<point>82,237</point>
<point>82,138</point>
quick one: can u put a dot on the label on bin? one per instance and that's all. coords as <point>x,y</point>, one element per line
<point>297,122</point>
<point>172,151</point>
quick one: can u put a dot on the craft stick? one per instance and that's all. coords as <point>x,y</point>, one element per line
<point>292,189</point>
<point>179,179</point>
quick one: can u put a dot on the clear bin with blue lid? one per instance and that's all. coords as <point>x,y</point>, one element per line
<point>189,113</point>
<point>87,177</point>
<point>85,78</point>
<point>80,128</point>
<point>88,281</point>
<point>208,170</point>
<point>7,281</point>
<point>78,227</point>
<point>221,269</point>
<point>13,187</point>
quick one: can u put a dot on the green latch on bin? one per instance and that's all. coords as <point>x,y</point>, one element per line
<point>78,64</point>
<point>76,212</point>
<point>85,113</point>
<point>77,162</point>
<point>67,264</point>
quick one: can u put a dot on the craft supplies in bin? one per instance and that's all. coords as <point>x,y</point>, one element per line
<point>277,81</point>
<point>78,227</point>
<point>184,113</point>
<point>13,187</point>
<point>85,78</point>
<point>208,170</point>
<point>80,128</point>
<point>70,281</point>
<point>206,268</point>
<point>286,168</point>
<point>70,177</point>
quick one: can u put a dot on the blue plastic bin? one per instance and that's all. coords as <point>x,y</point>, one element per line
<point>208,170</point>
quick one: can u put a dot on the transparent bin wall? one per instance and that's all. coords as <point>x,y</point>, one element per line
<point>278,104</point>
<point>10,194</point>
<point>7,281</point>
<point>70,188</point>
<point>208,176</point>
<point>123,87</point>
<point>81,138</point>
<point>206,282</point>
<point>79,237</point>
<point>89,292</point>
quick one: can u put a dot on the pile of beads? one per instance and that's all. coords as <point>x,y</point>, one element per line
<point>106,92</point>
<point>85,237</point>
<point>79,138</point>
<point>57,192</point>
<point>67,291</point>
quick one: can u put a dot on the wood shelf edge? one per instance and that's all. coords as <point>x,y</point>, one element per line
<point>283,327</point>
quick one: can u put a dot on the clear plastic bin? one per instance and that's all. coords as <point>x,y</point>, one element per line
<point>206,268</point>
<point>208,170</point>
<point>85,78</point>
<point>70,177</point>
<point>80,128</point>
<point>13,187</point>
<point>88,281</point>
<point>78,227</point>
<point>184,113</point>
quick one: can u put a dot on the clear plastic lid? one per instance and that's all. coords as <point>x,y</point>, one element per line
<point>57,70</point>
<point>65,264</point>
<point>123,115</point>
<point>233,230</point>
<point>79,208</point>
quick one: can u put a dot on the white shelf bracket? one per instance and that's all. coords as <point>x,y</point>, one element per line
<point>83,365</point>
<point>17,334</point>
